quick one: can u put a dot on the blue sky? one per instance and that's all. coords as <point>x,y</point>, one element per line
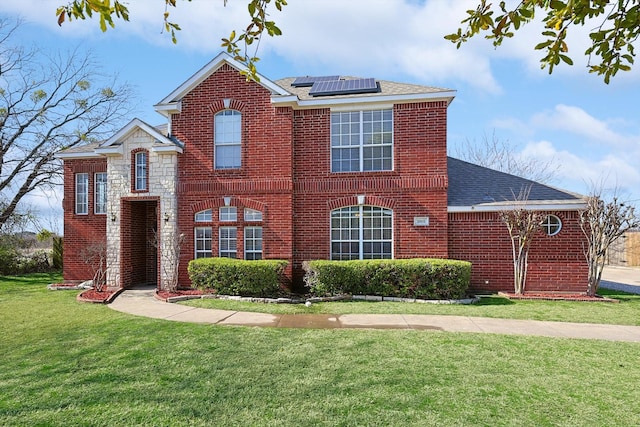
<point>589,129</point>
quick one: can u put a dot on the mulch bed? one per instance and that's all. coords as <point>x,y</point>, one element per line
<point>93,296</point>
<point>557,296</point>
<point>163,295</point>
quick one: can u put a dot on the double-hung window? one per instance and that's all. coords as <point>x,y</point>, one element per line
<point>253,243</point>
<point>227,139</point>
<point>362,141</point>
<point>82,193</point>
<point>361,232</point>
<point>228,243</point>
<point>203,242</point>
<point>100,193</point>
<point>141,158</point>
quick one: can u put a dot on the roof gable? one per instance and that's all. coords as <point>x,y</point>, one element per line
<point>192,82</point>
<point>163,143</point>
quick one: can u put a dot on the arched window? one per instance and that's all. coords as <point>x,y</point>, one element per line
<point>361,232</point>
<point>551,225</point>
<point>141,171</point>
<point>204,216</point>
<point>227,139</point>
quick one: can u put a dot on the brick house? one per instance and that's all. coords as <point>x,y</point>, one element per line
<point>302,169</point>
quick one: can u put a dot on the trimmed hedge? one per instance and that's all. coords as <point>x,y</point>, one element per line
<point>227,276</point>
<point>403,278</point>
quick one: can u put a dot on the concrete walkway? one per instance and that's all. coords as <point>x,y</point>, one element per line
<point>141,302</point>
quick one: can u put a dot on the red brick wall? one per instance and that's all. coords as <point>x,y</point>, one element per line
<point>264,181</point>
<point>416,186</point>
<point>80,231</point>
<point>556,263</point>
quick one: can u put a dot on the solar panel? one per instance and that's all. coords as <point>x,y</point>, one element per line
<point>344,87</point>
<point>309,81</point>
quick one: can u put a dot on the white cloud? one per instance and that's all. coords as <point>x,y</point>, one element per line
<point>580,172</point>
<point>392,36</point>
<point>577,121</point>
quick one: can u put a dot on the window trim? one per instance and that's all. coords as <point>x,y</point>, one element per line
<point>227,252</point>
<point>252,215</point>
<point>361,241</point>
<point>205,215</point>
<point>136,175</point>
<point>254,240</point>
<point>98,192</point>
<point>547,225</point>
<point>235,143</point>
<point>361,143</point>
<point>228,214</point>
<point>85,194</point>
<point>205,253</point>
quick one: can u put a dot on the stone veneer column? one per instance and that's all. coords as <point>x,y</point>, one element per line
<point>163,175</point>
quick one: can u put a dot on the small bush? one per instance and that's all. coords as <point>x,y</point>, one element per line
<point>37,262</point>
<point>226,276</point>
<point>8,260</point>
<point>404,278</point>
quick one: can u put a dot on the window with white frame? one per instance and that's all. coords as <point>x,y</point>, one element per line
<point>227,139</point>
<point>362,141</point>
<point>551,225</point>
<point>228,243</point>
<point>253,243</point>
<point>82,193</point>
<point>204,216</point>
<point>141,159</point>
<point>252,215</point>
<point>100,197</point>
<point>228,214</point>
<point>203,242</point>
<point>361,232</point>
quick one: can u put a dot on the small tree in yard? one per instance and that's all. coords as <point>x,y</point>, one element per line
<point>95,255</point>
<point>170,249</point>
<point>522,224</point>
<point>603,223</point>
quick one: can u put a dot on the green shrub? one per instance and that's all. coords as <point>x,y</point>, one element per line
<point>226,276</point>
<point>37,262</point>
<point>57,254</point>
<point>403,278</point>
<point>8,260</point>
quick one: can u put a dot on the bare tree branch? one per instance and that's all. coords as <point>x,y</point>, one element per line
<point>495,153</point>
<point>48,103</point>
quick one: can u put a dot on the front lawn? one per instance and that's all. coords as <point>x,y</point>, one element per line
<point>627,312</point>
<point>67,363</point>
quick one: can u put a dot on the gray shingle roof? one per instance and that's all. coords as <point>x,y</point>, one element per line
<point>471,185</point>
<point>386,88</point>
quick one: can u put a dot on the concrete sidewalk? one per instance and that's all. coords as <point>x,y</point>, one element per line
<point>142,303</point>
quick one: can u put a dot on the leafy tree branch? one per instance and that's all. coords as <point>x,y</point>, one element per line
<point>612,39</point>
<point>238,44</point>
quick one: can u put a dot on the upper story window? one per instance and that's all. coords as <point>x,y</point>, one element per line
<point>551,225</point>
<point>227,139</point>
<point>361,232</point>
<point>204,216</point>
<point>82,193</point>
<point>100,193</point>
<point>362,141</point>
<point>141,169</point>
<point>228,214</point>
<point>252,215</point>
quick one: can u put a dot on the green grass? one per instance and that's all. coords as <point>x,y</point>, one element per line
<point>627,312</point>
<point>68,363</point>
